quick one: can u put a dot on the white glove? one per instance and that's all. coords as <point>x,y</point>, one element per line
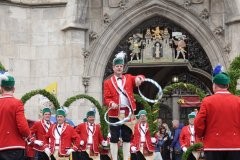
<point>114,105</point>
<point>81,142</point>
<point>184,149</point>
<point>104,143</point>
<point>134,149</point>
<point>69,151</point>
<point>153,140</point>
<point>47,151</point>
<point>38,142</point>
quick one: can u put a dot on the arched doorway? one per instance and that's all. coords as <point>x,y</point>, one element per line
<point>191,66</point>
<point>103,49</point>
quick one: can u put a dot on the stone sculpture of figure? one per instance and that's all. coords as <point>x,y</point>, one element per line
<point>148,36</point>
<point>135,45</point>
<point>180,43</point>
<point>157,33</point>
<point>166,36</point>
<point>157,50</point>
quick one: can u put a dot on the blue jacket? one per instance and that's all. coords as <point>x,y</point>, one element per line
<point>175,143</point>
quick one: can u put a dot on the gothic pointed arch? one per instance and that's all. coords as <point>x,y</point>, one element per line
<point>102,49</point>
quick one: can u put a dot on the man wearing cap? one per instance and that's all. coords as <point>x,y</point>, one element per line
<point>13,124</point>
<point>187,136</point>
<point>61,139</point>
<point>118,92</point>
<point>39,129</point>
<point>91,138</point>
<point>218,122</point>
<point>142,141</point>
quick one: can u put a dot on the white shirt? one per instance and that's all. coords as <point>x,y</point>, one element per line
<point>47,124</point>
<point>143,132</point>
<point>57,136</point>
<point>90,134</point>
<point>123,98</point>
<point>192,138</point>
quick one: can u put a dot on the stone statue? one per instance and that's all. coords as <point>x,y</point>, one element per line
<point>180,43</point>
<point>148,36</point>
<point>135,45</point>
<point>157,50</point>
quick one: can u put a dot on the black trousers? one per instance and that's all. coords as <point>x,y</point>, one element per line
<point>12,154</point>
<point>222,155</point>
<point>122,131</point>
<point>42,156</point>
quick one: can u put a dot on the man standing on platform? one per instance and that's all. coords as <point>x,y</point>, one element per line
<point>142,143</point>
<point>187,137</point>
<point>39,129</point>
<point>218,122</point>
<point>61,138</point>
<point>14,130</point>
<point>118,92</point>
<point>91,138</point>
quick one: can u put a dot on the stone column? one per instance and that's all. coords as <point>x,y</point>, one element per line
<point>175,106</point>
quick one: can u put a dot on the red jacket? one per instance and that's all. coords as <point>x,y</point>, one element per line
<point>111,92</point>
<point>69,139</point>
<point>40,130</point>
<point>218,122</point>
<point>13,124</point>
<point>82,130</point>
<point>137,138</point>
<point>185,137</point>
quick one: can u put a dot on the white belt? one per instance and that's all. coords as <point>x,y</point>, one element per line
<point>122,111</point>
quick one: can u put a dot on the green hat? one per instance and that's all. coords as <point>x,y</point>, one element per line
<point>221,78</point>
<point>46,110</point>
<point>61,112</point>
<point>90,113</point>
<point>140,113</point>
<point>118,60</point>
<point>192,115</point>
<point>10,82</point>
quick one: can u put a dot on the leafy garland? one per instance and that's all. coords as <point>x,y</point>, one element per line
<point>168,89</point>
<point>101,110</point>
<point>43,92</point>
<point>194,147</point>
<point>2,68</point>
<point>234,74</point>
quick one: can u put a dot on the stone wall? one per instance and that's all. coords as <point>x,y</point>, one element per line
<point>36,50</point>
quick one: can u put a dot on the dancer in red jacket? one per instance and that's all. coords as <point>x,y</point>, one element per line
<point>218,122</point>
<point>40,129</point>
<point>118,91</point>
<point>142,141</point>
<point>61,138</point>
<point>91,137</point>
<point>188,137</point>
<point>13,124</point>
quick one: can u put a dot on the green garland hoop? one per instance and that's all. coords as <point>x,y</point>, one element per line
<point>194,147</point>
<point>101,109</point>
<point>2,68</point>
<point>234,74</point>
<point>168,89</point>
<point>43,92</point>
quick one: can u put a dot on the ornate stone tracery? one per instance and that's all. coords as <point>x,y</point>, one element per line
<point>140,45</point>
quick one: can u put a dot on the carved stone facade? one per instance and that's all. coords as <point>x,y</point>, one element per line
<point>42,41</point>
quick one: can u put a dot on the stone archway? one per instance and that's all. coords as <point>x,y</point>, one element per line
<point>103,47</point>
